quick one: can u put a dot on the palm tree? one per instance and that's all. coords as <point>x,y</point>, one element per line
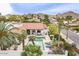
<point>32,38</point>
<point>7,38</point>
<point>22,37</point>
<point>60,24</point>
<point>68,18</point>
<point>32,50</point>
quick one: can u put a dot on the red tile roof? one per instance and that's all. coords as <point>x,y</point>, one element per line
<point>34,26</point>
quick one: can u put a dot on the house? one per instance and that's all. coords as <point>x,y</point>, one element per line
<point>74,23</point>
<point>17,28</point>
<point>35,28</point>
<point>32,28</point>
<point>53,21</point>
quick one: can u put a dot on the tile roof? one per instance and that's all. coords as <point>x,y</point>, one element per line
<point>17,30</point>
<point>34,26</point>
<point>25,26</point>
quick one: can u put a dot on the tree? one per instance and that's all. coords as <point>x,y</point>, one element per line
<point>68,18</point>
<point>22,37</point>
<point>14,18</point>
<point>0,14</point>
<point>46,19</point>
<point>60,24</point>
<point>70,49</point>
<point>7,38</point>
<point>53,30</point>
<point>2,18</point>
<point>32,50</point>
<point>32,38</point>
<point>24,18</point>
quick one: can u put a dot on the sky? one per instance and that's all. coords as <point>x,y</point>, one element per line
<point>47,8</point>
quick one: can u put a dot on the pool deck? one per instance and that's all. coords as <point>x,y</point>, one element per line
<point>47,39</point>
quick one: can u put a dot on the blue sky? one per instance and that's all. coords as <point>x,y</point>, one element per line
<point>48,8</point>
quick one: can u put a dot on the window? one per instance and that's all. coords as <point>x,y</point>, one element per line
<point>28,31</point>
<point>38,31</point>
<point>33,31</point>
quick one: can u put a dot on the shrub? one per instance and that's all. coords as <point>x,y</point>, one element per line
<point>32,50</point>
<point>70,49</point>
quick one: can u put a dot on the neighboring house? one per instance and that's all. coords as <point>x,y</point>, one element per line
<point>17,27</point>
<point>35,28</point>
<point>41,16</point>
<point>32,28</point>
<point>17,30</point>
<point>72,23</point>
<point>54,21</point>
<point>34,19</point>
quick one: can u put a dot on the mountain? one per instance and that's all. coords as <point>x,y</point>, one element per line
<point>71,13</point>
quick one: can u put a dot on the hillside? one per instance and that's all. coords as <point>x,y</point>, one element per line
<point>71,13</point>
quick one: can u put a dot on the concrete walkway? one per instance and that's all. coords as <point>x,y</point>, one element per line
<point>46,50</point>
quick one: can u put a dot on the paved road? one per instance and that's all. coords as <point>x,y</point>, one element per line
<point>73,36</point>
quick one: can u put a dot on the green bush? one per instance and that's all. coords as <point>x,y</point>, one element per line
<point>32,50</point>
<point>70,49</point>
<point>53,29</point>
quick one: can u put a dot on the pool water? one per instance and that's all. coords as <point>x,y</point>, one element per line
<point>39,41</point>
<point>39,38</point>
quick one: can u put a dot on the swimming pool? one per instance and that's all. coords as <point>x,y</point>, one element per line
<point>39,38</point>
<point>39,41</point>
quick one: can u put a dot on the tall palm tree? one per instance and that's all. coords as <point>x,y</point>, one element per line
<point>7,38</point>
<point>60,24</point>
<point>68,18</point>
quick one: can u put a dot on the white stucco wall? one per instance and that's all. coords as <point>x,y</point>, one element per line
<point>44,31</point>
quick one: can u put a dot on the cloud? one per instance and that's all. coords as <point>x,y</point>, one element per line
<point>5,8</point>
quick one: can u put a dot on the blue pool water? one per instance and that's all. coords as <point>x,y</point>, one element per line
<point>39,38</point>
<point>39,41</point>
